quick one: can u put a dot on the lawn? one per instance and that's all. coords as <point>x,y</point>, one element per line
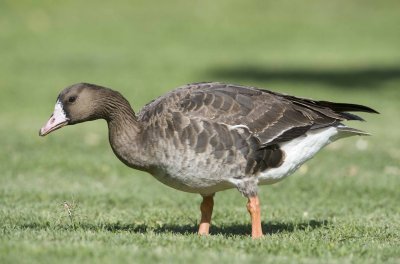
<point>341,207</point>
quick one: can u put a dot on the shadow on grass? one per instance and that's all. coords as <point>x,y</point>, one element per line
<point>229,230</point>
<point>367,77</point>
<point>269,228</point>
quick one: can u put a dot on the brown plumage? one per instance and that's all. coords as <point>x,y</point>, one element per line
<point>207,137</point>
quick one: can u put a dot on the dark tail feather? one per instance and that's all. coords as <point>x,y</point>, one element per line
<point>349,116</point>
<point>342,107</point>
<point>339,109</point>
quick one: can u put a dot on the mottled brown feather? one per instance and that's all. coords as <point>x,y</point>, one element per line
<point>202,115</point>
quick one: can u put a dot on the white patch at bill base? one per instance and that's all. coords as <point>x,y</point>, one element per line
<point>59,114</point>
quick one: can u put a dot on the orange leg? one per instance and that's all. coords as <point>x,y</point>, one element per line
<point>206,208</point>
<point>253,206</point>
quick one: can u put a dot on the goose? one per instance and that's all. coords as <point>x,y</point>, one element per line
<point>207,137</point>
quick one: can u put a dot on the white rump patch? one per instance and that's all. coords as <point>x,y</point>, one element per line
<point>298,151</point>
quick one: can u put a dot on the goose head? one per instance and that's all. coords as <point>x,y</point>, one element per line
<point>76,104</point>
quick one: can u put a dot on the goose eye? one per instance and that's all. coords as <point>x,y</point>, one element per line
<point>72,99</point>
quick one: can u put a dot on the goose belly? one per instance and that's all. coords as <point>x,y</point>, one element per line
<point>297,152</point>
<point>192,183</point>
<point>196,172</point>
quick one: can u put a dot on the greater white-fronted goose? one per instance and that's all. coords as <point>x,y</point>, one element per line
<point>208,137</point>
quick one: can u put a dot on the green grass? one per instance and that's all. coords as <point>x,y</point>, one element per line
<point>341,207</point>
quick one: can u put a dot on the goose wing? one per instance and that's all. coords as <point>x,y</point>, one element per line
<point>271,117</point>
